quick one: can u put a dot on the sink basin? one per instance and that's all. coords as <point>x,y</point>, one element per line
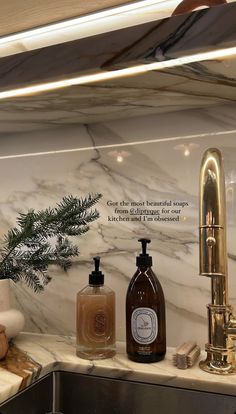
<point>72,393</point>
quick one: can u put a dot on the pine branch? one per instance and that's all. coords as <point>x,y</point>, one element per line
<point>29,248</point>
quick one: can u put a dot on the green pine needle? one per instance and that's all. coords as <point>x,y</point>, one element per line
<point>30,248</point>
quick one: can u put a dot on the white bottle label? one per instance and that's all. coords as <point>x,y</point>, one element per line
<point>144,325</point>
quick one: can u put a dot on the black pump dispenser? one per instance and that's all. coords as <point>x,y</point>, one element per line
<point>145,312</point>
<point>96,277</point>
<point>144,260</point>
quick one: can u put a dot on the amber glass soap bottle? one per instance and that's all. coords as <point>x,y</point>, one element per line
<point>96,318</point>
<point>145,313</point>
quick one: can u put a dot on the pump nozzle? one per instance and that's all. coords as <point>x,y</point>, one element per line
<point>144,245</point>
<point>96,263</point>
<point>144,259</point>
<point>96,277</point>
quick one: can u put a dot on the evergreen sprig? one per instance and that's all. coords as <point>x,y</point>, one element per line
<point>42,238</point>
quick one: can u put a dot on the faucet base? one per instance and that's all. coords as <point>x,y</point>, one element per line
<point>220,363</point>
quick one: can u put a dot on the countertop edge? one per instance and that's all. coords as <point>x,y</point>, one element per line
<point>57,353</point>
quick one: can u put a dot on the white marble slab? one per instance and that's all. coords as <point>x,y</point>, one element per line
<point>58,352</point>
<point>196,86</point>
<point>154,169</point>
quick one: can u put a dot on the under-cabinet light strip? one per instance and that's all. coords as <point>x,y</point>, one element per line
<point>134,6</point>
<point>108,20</point>
<point>115,74</point>
<point>123,145</point>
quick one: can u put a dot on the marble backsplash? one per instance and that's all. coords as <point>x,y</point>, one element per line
<point>160,158</point>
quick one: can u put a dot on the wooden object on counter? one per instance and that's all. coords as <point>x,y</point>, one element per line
<point>3,342</point>
<point>19,363</point>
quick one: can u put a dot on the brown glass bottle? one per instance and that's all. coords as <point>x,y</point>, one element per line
<point>145,313</point>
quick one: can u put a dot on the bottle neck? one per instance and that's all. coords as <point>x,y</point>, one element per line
<point>144,268</point>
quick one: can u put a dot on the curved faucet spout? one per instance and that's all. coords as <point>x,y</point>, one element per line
<point>212,216</point>
<point>213,263</point>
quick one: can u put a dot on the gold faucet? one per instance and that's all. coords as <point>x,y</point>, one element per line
<point>213,263</point>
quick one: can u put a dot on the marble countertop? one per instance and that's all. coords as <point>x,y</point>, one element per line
<point>53,352</point>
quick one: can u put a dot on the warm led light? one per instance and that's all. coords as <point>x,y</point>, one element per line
<point>119,158</point>
<point>80,20</point>
<point>186,152</point>
<point>95,23</point>
<point>103,76</point>
<point>127,144</point>
<point>186,148</point>
<point>119,155</point>
<point>108,20</point>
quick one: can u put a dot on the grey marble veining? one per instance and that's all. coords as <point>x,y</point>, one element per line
<point>57,352</point>
<point>151,170</point>
<point>199,85</point>
<point>195,85</point>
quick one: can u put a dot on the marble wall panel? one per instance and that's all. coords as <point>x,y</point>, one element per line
<point>155,167</point>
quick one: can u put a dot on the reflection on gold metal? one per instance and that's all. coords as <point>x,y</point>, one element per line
<point>213,263</point>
